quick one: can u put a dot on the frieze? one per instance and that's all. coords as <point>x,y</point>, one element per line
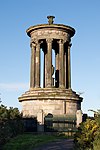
<point>44,34</point>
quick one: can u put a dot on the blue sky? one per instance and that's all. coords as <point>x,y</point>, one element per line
<point>18,15</point>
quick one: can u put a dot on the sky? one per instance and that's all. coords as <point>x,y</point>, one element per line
<point>18,15</point>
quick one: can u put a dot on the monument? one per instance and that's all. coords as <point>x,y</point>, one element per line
<point>50,93</point>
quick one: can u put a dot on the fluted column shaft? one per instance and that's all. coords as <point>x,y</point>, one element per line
<point>48,62</point>
<point>61,64</point>
<point>57,70</point>
<point>57,61</point>
<point>69,67</point>
<point>37,69</point>
<point>44,72</point>
<point>32,73</point>
<point>65,63</point>
<point>45,69</point>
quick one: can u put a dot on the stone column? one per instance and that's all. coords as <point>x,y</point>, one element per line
<point>57,61</point>
<point>57,70</point>
<point>65,54</point>
<point>37,69</point>
<point>61,64</point>
<point>32,73</point>
<point>48,62</point>
<point>69,68</point>
<point>44,71</point>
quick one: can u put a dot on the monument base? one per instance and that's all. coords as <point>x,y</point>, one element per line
<point>41,102</point>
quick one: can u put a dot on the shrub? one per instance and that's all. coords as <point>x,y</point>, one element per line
<point>10,123</point>
<point>88,135</point>
<point>96,143</point>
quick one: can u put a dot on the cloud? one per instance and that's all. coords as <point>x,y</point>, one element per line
<point>14,86</point>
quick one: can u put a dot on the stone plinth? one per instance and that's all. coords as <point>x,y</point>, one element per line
<point>50,100</point>
<point>78,117</point>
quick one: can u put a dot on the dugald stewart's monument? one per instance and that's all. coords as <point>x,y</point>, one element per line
<point>50,98</point>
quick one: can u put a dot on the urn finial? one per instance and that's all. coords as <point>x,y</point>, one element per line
<point>50,19</point>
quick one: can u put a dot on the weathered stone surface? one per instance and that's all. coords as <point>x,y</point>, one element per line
<point>78,117</point>
<point>52,34</point>
<point>56,97</point>
<point>50,101</point>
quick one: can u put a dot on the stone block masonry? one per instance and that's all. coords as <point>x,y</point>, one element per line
<point>56,97</point>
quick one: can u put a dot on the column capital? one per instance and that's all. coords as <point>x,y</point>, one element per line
<point>49,40</point>
<point>33,41</point>
<point>36,41</point>
<point>61,41</point>
<point>32,45</point>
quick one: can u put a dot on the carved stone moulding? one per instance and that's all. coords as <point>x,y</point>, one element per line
<point>59,27</point>
<point>49,93</point>
<point>50,101</point>
<point>53,34</point>
<point>55,31</point>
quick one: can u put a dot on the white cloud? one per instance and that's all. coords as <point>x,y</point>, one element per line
<point>14,86</point>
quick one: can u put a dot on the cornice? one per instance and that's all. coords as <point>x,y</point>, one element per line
<point>65,28</point>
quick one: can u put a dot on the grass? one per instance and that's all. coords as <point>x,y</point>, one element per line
<point>29,141</point>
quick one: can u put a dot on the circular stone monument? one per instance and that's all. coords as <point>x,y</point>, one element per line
<point>50,76</point>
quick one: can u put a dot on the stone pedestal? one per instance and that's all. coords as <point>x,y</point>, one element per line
<point>78,117</point>
<point>40,119</point>
<point>39,102</point>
